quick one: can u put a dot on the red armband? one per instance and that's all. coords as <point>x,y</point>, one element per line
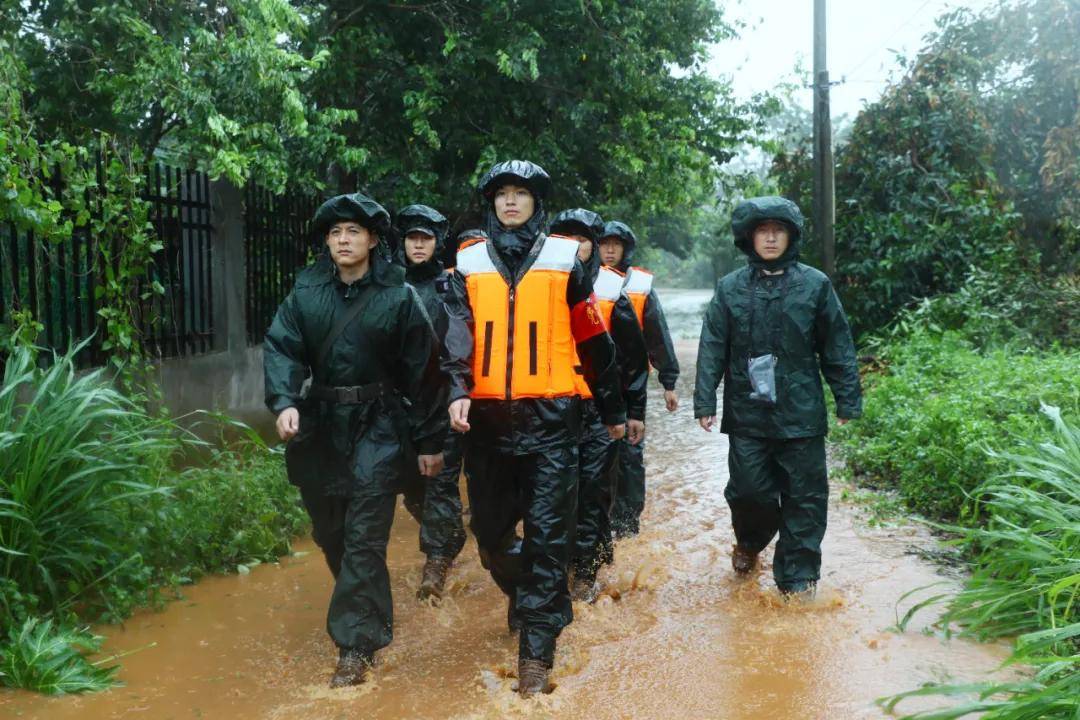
<point>585,320</point>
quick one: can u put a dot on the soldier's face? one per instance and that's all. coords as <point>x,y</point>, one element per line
<point>584,248</point>
<point>771,239</point>
<point>350,243</point>
<point>514,205</point>
<point>419,247</point>
<point>611,251</point>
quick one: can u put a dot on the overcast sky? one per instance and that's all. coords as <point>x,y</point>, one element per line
<point>862,35</point>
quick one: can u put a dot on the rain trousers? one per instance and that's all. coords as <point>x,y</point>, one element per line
<point>348,457</point>
<point>776,459</point>
<point>598,453</point>
<point>522,458</point>
<point>630,468</point>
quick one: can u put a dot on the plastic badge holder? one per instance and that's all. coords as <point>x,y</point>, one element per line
<point>762,371</point>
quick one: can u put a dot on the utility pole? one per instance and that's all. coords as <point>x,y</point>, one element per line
<point>824,211</point>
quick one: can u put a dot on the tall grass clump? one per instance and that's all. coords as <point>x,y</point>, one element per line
<point>73,452</point>
<point>1025,582</point>
<point>104,506</point>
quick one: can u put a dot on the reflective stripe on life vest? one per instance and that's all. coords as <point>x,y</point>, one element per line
<point>606,288</point>
<point>638,286</point>
<point>534,356</point>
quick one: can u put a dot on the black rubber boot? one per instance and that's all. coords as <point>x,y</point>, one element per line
<point>584,587</point>
<point>436,568</point>
<point>743,560</point>
<point>352,668</point>
<point>533,677</point>
<point>799,593</point>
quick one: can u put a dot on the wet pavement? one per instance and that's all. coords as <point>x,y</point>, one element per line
<point>673,635</point>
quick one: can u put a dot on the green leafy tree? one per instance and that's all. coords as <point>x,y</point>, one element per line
<point>1023,61</point>
<point>50,188</point>
<point>217,85</point>
<point>610,97</point>
<point>917,199</point>
<point>970,160</point>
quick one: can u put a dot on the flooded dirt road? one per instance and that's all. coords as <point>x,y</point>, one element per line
<point>674,636</point>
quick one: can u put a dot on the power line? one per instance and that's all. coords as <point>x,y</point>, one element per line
<point>886,41</point>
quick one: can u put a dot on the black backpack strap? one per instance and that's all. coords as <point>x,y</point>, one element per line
<point>347,317</point>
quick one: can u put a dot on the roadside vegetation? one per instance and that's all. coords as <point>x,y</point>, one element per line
<point>99,515</point>
<point>951,378</point>
<point>958,251</point>
<point>1025,582</point>
<point>972,419</point>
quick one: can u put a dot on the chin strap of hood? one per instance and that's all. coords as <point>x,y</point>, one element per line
<point>789,258</point>
<point>421,271</point>
<point>383,269</point>
<point>513,244</point>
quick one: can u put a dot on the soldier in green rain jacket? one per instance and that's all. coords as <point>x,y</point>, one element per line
<point>435,502</point>
<point>772,329</point>
<point>376,401</point>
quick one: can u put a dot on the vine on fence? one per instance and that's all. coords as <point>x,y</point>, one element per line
<point>54,188</point>
<point>127,247</point>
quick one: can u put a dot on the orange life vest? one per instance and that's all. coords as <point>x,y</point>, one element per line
<point>638,286</point>
<point>607,288</point>
<point>524,344</point>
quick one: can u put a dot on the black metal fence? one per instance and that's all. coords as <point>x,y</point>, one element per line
<point>276,245</point>
<point>55,282</point>
<point>180,321</point>
<point>58,283</point>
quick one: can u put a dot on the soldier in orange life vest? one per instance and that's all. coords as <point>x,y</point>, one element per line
<point>593,546</point>
<point>617,251</point>
<point>523,326</point>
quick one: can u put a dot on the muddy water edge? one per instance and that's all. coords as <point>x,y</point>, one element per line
<point>673,635</point>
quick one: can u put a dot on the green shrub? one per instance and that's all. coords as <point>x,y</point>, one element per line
<point>1026,558</point>
<point>939,403</point>
<point>1004,307</point>
<point>237,509</point>
<point>73,453</point>
<point>1025,580</point>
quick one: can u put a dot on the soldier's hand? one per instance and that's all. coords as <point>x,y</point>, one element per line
<point>707,423</point>
<point>635,431</point>
<point>288,423</point>
<point>671,400</point>
<point>459,414</point>
<point>616,432</point>
<point>842,421</point>
<point>430,465</point>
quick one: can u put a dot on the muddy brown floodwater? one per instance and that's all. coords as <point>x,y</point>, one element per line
<point>674,635</point>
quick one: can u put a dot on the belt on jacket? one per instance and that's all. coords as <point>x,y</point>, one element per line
<point>348,394</point>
